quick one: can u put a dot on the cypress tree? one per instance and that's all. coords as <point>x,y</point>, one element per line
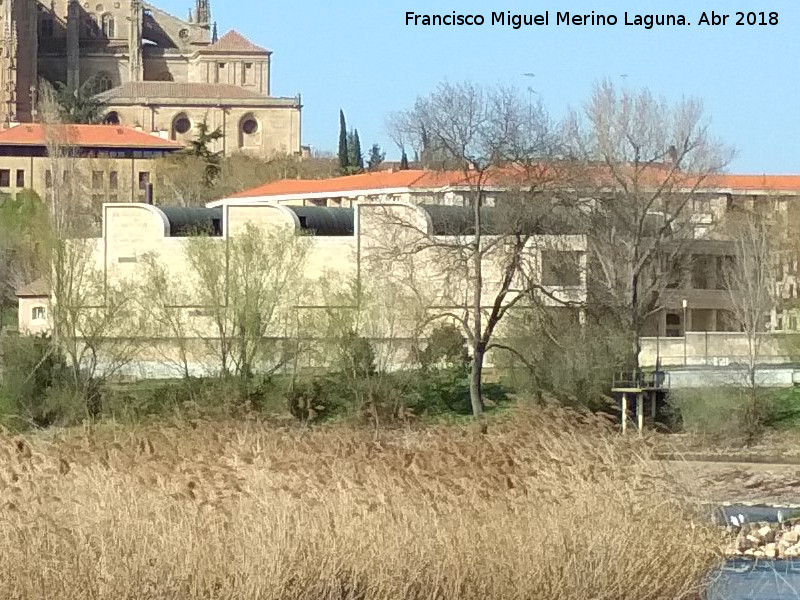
<point>344,157</point>
<point>357,159</point>
<point>404,161</point>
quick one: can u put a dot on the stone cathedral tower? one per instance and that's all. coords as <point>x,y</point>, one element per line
<point>18,60</point>
<point>152,70</point>
<point>203,12</point>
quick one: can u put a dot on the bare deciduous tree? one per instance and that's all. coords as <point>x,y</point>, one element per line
<point>751,281</point>
<point>643,162</point>
<point>164,302</point>
<point>92,317</point>
<point>248,286</point>
<point>494,140</point>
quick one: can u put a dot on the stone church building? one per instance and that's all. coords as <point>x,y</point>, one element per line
<point>155,71</point>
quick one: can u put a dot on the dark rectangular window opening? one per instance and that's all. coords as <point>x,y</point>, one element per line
<point>97,180</point>
<point>48,179</point>
<point>5,178</point>
<point>47,27</point>
<point>113,180</point>
<point>561,268</point>
<point>144,179</point>
<point>20,178</point>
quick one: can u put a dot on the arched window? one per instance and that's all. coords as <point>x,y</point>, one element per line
<point>102,82</point>
<point>181,126</point>
<point>112,118</point>
<point>248,131</point>
<point>109,29</point>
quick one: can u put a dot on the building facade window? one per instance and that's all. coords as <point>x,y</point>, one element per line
<point>181,125</point>
<point>247,73</point>
<point>5,178</point>
<point>102,82</point>
<point>109,26</point>
<point>561,269</point>
<point>20,178</point>
<point>220,73</point>
<point>38,313</point>
<point>48,179</point>
<point>47,27</point>
<point>250,126</point>
<point>97,180</point>
<point>674,327</point>
<point>144,179</point>
<point>248,131</point>
<point>113,180</point>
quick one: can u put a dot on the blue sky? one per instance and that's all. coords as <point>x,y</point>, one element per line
<point>359,55</point>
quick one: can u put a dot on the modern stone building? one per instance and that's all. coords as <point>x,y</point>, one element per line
<point>348,248</point>
<point>154,70</point>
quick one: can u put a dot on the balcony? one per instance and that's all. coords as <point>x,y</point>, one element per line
<point>717,349</point>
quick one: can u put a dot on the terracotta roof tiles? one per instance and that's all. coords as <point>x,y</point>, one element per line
<point>421,179</point>
<point>86,136</point>
<point>234,42</point>
<point>139,90</point>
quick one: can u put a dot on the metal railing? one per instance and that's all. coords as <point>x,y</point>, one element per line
<point>643,380</point>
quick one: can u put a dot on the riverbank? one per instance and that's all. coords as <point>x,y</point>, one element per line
<point>248,510</point>
<point>764,540</point>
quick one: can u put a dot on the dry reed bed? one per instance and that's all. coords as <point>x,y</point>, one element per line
<point>544,506</point>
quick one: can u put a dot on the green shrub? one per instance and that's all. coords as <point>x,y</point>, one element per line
<point>35,383</point>
<point>446,347</point>
<point>729,412</point>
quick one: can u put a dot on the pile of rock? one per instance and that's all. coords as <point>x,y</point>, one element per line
<point>766,540</point>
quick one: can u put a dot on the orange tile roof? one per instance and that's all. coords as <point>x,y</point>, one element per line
<point>233,41</point>
<point>772,183</point>
<point>421,179</point>
<point>363,181</point>
<point>85,136</point>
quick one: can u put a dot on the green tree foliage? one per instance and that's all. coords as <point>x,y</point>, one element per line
<point>446,347</point>
<point>33,371</point>
<point>344,155</point>
<point>182,176</point>
<point>23,249</point>
<point>376,157</point>
<point>80,105</point>
<point>200,147</point>
<point>356,157</point>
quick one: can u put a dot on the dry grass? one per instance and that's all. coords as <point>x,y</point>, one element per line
<point>545,506</point>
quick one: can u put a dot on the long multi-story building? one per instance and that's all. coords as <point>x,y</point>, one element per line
<point>101,163</point>
<point>696,302</point>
